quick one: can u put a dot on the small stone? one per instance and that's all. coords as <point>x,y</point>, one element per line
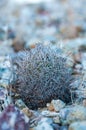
<point>20,104</point>
<point>64,128</point>
<point>48,120</point>
<point>56,126</point>
<point>72,113</point>
<point>58,104</point>
<point>6,74</point>
<point>78,126</point>
<point>3,93</point>
<point>78,68</point>
<point>76,57</point>
<point>69,32</point>
<point>2,33</point>
<point>77,113</point>
<point>5,99</point>
<point>44,124</point>
<point>18,44</point>
<point>11,34</point>
<point>50,107</point>
<point>27,112</point>
<point>83,60</point>
<point>49,114</point>
<point>13,119</point>
<point>34,120</point>
<point>84,102</point>
<point>63,114</point>
<point>31,129</point>
<point>56,119</point>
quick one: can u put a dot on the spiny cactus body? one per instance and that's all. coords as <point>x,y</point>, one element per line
<point>42,75</point>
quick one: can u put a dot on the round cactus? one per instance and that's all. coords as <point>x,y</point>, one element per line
<point>42,75</point>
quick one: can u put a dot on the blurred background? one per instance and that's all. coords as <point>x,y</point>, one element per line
<point>23,23</point>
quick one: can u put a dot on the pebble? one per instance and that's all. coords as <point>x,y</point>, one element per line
<point>6,74</point>
<point>77,113</point>
<point>20,104</point>
<point>83,60</point>
<point>84,102</point>
<point>47,113</point>
<point>3,93</point>
<point>50,107</point>
<point>56,120</point>
<point>17,120</point>
<point>57,104</point>
<point>2,33</point>
<point>44,124</point>
<point>34,120</point>
<point>5,99</point>
<point>78,126</point>
<point>5,79</point>
<point>56,126</point>
<point>11,34</point>
<point>18,44</point>
<point>27,112</point>
<point>78,69</point>
<point>63,115</point>
<point>64,128</point>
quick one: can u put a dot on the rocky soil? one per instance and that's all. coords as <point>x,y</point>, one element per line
<point>60,23</point>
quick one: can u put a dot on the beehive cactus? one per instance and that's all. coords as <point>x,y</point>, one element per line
<point>42,75</point>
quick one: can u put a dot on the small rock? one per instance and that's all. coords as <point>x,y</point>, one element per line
<point>69,32</point>
<point>20,104</point>
<point>78,126</point>
<point>76,56</point>
<point>72,114</point>
<point>31,128</point>
<point>56,119</point>
<point>11,34</point>
<point>5,99</point>
<point>2,33</point>
<point>64,128</point>
<point>84,102</point>
<point>49,114</point>
<point>78,68</point>
<point>3,93</point>
<point>50,107</point>
<point>77,113</point>
<point>18,44</point>
<point>34,120</point>
<point>6,74</point>
<point>56,126</point>
<point>44,124</point>
<point>13,119</point>
<point>63,114</point>
<point>83,60</point>
<point>57,104</point>
<point>27,112</point>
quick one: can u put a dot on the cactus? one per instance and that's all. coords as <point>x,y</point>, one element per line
<point>42,75</point>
